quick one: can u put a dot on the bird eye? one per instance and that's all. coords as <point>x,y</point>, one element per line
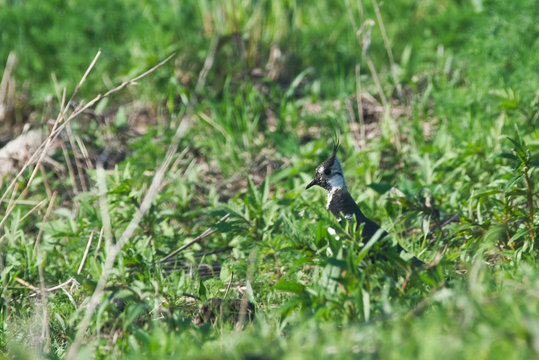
<point>327,171</point>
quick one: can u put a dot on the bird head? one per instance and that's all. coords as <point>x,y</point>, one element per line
<point>329,174</point>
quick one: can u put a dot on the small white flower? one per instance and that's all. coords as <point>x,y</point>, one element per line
<point>333,232</point>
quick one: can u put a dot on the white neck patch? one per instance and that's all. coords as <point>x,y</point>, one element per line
<point>336,183</point>
<point>330,196</point>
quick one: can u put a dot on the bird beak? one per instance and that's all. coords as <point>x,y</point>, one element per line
<point>312,183</point>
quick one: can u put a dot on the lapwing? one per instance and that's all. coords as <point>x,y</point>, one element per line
<point>330,176</point>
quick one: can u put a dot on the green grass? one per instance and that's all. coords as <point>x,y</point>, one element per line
<point>464,146</point>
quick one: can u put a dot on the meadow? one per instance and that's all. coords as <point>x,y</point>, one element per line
<point>164,213</point>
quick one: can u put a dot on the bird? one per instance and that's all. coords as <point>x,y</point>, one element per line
<point>330,176</point>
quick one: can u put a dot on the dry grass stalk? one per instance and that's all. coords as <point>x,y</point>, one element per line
<point>36,290</point>
<point>38,205</point>
<point>249,290</point>
<point>360,105</point>
<point>70,169</point>
<point>103,204</point>
<point>45,331</point>
<point>80,169</point>
<point>7,87</point>
<point>48,189</point>
<point>99,240</point>
<point>387,46</point>
<point>200,237</point>
<point>83,261</point>
<point>363,35</point>
<point>5,293</point>
<point>229,284</point>
<point>353,129</point>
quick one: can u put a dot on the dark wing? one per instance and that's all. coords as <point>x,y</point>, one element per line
<point>342,203</point>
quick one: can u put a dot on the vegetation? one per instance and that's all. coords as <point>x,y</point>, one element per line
<point>435,103</point>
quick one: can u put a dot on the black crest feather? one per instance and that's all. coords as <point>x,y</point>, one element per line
<point>329,162</point>
<point>336,146</point>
